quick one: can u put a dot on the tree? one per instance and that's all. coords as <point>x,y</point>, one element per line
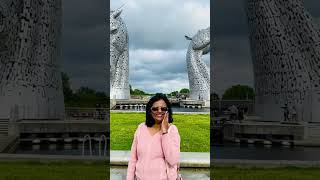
<point>131,90</point>
<point>184,90</point>
<point>214,96</point>
<point>239,92</point>
<point>86,91</point>
<point>83,97</point>
<point>101,98</point>
<point>86,97</point>
<point>67,91</point>
<point>174,93</point>
<point>138,92</point>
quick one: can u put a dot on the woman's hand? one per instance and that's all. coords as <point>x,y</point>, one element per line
<point>165,123</point>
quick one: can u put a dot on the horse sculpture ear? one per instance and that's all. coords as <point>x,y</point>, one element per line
<point>116,13</point>
<point>188,38</point>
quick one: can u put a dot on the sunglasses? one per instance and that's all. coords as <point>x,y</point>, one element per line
<point>156,109</point>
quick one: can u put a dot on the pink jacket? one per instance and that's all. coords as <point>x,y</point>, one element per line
<point>148,154</point>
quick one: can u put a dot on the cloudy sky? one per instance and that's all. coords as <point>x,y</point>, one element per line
<point>156,41</point>
<point>157,44</point>
<point>84,41</point>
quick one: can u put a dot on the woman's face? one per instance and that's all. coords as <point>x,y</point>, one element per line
<point>158,110</point>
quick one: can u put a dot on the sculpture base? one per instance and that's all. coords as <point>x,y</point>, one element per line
<point>119,93</point>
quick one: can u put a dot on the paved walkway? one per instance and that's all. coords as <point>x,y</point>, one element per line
<point>187,159</point>
<point>119,173</point>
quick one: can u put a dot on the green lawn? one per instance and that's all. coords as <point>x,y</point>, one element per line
<point>194,130</point>
<point>82,170</point>
<point>288,173</point>
<point>33,170</point>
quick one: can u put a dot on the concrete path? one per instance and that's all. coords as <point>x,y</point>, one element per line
<point>187,159</point>
<point>120,172</point>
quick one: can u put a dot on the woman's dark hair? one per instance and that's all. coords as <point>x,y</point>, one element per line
<point>159,96</point>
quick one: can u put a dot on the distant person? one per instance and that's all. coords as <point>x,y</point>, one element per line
<point>233,112</point>
<point>246,110</point>
<point>241,114</point>
<point>98,111</point>
<point>285,112</point>
<point>215,113</point>
<point>156,144</point>
<point>294,114</point>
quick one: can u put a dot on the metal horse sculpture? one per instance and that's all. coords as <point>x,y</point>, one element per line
<point>119,57</point>
<point>285,46</point>
<point>198,72</point>
<point>30,77</point>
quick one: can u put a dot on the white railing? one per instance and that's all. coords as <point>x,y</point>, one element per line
<point>77,113</point>
<point>104,139</point>
<point>83,143</point>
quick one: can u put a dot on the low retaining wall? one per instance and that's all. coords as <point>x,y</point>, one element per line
<point>244,163</point>
<point>187,159</point>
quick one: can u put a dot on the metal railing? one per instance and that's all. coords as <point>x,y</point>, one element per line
<point>76,113</point>
<point>83,144</point>
<point>102,140</point>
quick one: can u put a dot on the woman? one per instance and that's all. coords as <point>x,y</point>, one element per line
<point>155,150</point>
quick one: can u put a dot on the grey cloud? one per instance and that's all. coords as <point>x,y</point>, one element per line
<point>172,65</point>
<point>229,17</point>
<point>84,13</point>
<point>165,76</point>
<point>84,41</point>
<point>161,24</point>
<point>91,75</point>
<point>232,63</point>
<point>312,6</point>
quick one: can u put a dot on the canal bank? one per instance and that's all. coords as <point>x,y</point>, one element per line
<point>248,163</point>
<point>264,152</point>
<point>254,130</point>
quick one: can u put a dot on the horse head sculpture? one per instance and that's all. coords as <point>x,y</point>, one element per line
<point>119,57</point>
<point>198,72</point>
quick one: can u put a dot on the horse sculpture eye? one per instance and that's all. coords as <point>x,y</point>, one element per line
<point>114,31</point>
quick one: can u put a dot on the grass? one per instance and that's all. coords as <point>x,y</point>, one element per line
<point>97,170</point>
<point>194,130</point>
<point>286,173</point>
<point>31,170</point>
